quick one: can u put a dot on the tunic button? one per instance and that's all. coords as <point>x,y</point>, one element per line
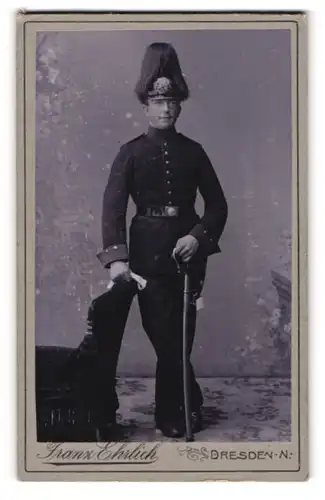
<point>168,182</point>
<point>169,203</point>
<point>167,161</point>
<point>115,247</point>
<point>166,152</point>
<point>167,171</point>
<point>169,192</point>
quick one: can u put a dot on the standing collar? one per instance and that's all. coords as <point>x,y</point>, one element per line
<point>162,135</point>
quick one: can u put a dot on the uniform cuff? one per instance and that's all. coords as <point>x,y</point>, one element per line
<point>199,232</point>
<point>113,254</point>
<point>206,240</point>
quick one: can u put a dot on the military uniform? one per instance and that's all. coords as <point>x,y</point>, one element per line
<point>162,171</point>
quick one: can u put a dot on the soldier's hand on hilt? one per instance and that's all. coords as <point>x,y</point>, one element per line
<point>120,271</point>
<point>186,247</point>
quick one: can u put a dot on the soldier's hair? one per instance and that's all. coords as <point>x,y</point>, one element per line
<point>161,59</point>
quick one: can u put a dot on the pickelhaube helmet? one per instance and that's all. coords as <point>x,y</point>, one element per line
<point>161,76</point>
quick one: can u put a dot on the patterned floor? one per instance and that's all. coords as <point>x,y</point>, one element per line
<point>235,409</point>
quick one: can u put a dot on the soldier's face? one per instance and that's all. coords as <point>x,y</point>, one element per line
<point>162,113</point>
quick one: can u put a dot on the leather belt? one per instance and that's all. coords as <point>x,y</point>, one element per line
<point>164,211</point>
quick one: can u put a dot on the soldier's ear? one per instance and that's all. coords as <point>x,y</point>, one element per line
<point>145,108</point>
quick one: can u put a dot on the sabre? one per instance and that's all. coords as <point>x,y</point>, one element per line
<point>185,358</point>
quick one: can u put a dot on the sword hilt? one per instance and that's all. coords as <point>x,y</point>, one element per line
<point>181,266</point>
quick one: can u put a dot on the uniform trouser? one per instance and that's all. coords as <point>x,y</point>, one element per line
<point>161,308</point>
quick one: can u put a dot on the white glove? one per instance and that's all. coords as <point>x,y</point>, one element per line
<point>140,281</point>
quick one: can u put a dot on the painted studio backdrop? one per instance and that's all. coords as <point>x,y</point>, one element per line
<point>240,111</point>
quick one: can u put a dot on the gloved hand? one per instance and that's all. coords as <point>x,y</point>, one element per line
<point>120,271</point>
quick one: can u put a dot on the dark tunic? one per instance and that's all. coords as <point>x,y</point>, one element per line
<point>158,169</point>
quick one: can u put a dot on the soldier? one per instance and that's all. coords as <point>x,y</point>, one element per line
<point>161,170</point>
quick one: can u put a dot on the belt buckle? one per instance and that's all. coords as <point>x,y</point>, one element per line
<point>171,211</point>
